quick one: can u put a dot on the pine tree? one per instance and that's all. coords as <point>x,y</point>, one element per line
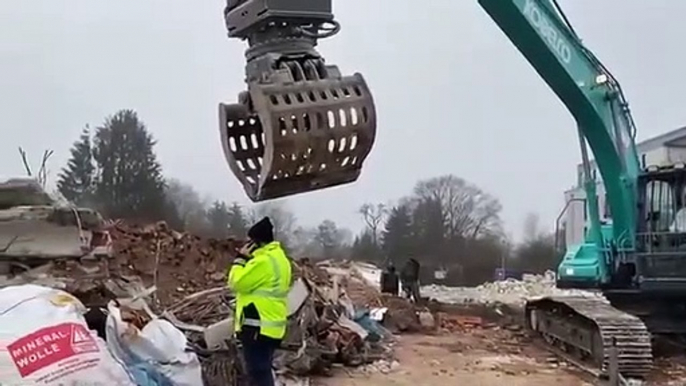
<point>130,182</point>
<point>428,230</point>
<point>238,224</point>
<point>76,180</point>
<point>219,218</point>
<point>397,235</point>
<point>364,249</point>
<point>328,238</point>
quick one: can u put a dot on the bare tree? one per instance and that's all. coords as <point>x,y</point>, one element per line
<point>304,243</point>
<point>373,216</point>
<point>531,227</point>
<point>191,207</point>
<point>42,175</point>
<point>328,239</point>
<point>283,219</point>
<point>469,212</point>
<point>537,255</point>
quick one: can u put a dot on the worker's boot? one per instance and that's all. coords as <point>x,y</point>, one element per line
<point>301,125</point>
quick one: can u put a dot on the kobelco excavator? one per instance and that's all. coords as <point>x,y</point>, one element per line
<point>302,126</point>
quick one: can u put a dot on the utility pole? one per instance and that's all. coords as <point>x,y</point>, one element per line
<point>505,253</point>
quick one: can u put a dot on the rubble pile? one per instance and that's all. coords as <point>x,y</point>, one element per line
<point>202,308</point>
<point>511,291</point>
<point>315,273</point>
<point>336,314</point>
<point>90,281</point>
<point>401,315</point>
<point>348,279</point>
<point>345,319</point>
<point>177,263</point>
<point>327,328</point>
<point>320,334</point>
<point>360,283</point>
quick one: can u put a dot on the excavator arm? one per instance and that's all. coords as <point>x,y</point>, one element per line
<point>303,126</point>
<point>541,32</point>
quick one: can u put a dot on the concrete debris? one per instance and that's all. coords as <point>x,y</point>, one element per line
<point>217,334</point>
<point>362,286</point>
<point>381,366</point>
<point>35,228</point>
<point>427,320</point>
<point>369,273</point>
<point>92,283</point>
<point>297,296</point>
<point>511,291</point>
<point>401,316</point>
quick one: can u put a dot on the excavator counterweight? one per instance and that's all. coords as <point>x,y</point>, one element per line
<point>301,125</point>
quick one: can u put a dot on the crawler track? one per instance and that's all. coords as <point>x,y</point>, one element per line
<point>585,329</point>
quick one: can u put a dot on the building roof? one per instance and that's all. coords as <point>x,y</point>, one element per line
<point>672,138</point>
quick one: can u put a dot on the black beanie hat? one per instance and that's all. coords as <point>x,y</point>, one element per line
<point>262,231</point>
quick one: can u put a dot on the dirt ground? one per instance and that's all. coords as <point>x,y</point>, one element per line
<point>476,358</point>
<point>483,357</point>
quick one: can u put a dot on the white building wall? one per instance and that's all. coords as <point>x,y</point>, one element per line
<point>676,154</point>
<point>655,157</point>
<point>576,216</point>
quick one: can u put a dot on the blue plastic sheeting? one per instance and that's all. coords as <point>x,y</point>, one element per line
<point>375,330</point>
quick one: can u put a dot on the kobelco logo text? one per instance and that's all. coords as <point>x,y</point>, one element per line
<point>546,28</point>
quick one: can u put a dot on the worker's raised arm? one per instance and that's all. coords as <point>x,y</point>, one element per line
<point>245,277</point>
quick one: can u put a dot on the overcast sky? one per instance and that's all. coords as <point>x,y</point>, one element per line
<point>453,95</point>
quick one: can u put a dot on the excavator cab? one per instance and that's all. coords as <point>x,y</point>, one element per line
<point>300,125</point>
<point>661,236</point>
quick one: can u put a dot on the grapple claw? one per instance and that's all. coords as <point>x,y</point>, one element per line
<point>300,137</point>
<point>301,126</point>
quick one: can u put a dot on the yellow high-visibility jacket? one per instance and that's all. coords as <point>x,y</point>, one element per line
<point>264,281</point>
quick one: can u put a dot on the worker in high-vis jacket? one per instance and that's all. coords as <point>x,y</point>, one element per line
<point>260,278</point>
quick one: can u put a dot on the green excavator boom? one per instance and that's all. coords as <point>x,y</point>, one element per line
<point>541,32</point>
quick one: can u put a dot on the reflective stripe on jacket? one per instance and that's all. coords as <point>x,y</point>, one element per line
<point>263,281</point>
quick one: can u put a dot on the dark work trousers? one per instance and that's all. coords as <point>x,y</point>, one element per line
<point>258,352</point>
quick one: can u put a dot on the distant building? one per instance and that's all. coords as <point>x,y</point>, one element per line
<point>663,150</point>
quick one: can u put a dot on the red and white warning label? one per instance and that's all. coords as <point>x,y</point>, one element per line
<point>51,345</point>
